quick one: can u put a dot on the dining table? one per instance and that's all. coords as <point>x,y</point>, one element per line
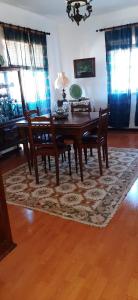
<point>75,125</point>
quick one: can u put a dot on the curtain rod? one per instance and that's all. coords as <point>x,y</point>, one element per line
<point>114,27</point>
<point>24,28</point>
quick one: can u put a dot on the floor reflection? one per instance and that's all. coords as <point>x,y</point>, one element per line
<point>29,214</point>
<point>132,196</point>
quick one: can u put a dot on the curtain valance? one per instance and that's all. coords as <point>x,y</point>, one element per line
<point>118,39</point>
<point>26,48</point>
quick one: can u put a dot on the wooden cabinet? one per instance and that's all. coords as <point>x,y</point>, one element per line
<point>6,242</point>
<point>11,106</point>
<point>9,135</point>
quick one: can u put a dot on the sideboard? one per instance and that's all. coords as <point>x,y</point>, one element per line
<point>6,242</point>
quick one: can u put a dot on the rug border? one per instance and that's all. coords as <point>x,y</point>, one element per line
<point>123,198</point>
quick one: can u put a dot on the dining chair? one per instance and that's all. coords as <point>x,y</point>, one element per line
<point>82,107</point>
<point>99,139</point>
<point>68,140</point>
<point>31,113</point>
<point>47,145</point>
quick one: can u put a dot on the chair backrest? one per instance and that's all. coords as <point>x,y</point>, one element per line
<point>103,122</point>
<point>81,107</point>
<point>104,111</point>
<point>42,132</point>
<point>31,113</point>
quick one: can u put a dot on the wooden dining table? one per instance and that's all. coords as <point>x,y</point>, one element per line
<point>74,126</point>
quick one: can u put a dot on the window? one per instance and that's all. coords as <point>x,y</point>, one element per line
<point>19,53</point>
<point>27,50</point>
<point>37,85</point>
<point>124,69</point>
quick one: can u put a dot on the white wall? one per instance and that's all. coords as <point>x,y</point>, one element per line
<point>83,41</point>
<point>17,16</point>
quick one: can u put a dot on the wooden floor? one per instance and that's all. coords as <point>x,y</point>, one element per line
<point>58,259</point>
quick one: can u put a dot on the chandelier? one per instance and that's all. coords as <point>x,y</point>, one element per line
<point>79,10</point>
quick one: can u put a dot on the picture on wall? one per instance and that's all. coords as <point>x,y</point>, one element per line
<point>84,68</point>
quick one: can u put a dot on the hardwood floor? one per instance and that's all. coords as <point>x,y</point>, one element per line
<point>58,259</point>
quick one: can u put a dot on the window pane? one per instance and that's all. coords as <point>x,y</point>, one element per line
<point>134,70</point>
<point>34,85</point>
<point>124,70</point>
<point>38,56</point>
<point>10,97</point>
<point>120,71</point>
<point>19,53</point>
<point>29,86</point>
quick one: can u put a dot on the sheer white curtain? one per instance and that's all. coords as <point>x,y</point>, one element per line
<point>3,51</point>
<point>124,70</point>
<point>27,50</point>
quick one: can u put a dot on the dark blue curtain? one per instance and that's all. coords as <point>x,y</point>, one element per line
<point>136,114</point>
<point>27,50</point>
<point>119,101</point>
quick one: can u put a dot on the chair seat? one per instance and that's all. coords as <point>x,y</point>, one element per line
<point>92,139</point>
<point>45,138</point>
<point>46,147</point>
<point>70,139</point>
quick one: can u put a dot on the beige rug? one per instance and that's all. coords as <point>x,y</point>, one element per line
<point>92,202</point>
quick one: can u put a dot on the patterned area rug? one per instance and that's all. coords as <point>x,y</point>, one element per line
<point>92,202</point>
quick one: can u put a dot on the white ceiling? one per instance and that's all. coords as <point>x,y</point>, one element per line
<point>58,7</point>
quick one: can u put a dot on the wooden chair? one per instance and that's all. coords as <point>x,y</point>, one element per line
<point>31,113</point>
<point>68,140</point>
<point>27,114</point>
<point>47,145</point>
<point>98,140</point>
<point>81,107</point>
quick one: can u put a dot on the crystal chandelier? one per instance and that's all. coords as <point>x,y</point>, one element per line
<point>79,10</point>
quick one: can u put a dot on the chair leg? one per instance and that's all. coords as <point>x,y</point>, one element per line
<point>85,155</point>
<point>100,160</point>
<point>49,163</point>
<point>91,153</point>
<point>103,150</point>
<point>69,161</point>
<point>106,155</point>
<point>62,157</point>
<point>44,159</point>
<point>76,158</point>
<point>80,158</point>
<point>27,154</point>
<point>36,170</point>
<point>31,155</point>
<point>57,169</point>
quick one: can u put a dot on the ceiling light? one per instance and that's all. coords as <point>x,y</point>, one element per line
<point>78,10</point>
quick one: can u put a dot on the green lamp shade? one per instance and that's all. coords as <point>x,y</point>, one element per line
<point>75,91</point>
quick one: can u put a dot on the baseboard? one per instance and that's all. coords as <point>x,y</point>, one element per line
<point>123,129</point>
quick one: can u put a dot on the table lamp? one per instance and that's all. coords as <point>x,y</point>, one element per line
<point>61,82</point>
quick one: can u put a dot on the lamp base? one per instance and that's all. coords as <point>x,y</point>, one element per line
<point>64,95</point>
<point>60,103</point>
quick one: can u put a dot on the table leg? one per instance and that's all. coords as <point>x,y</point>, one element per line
<point>79,146</point>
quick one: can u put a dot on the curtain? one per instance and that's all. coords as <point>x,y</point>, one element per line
<point>28,51</point>
<point>118,56</point>
<point>136,113</point>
